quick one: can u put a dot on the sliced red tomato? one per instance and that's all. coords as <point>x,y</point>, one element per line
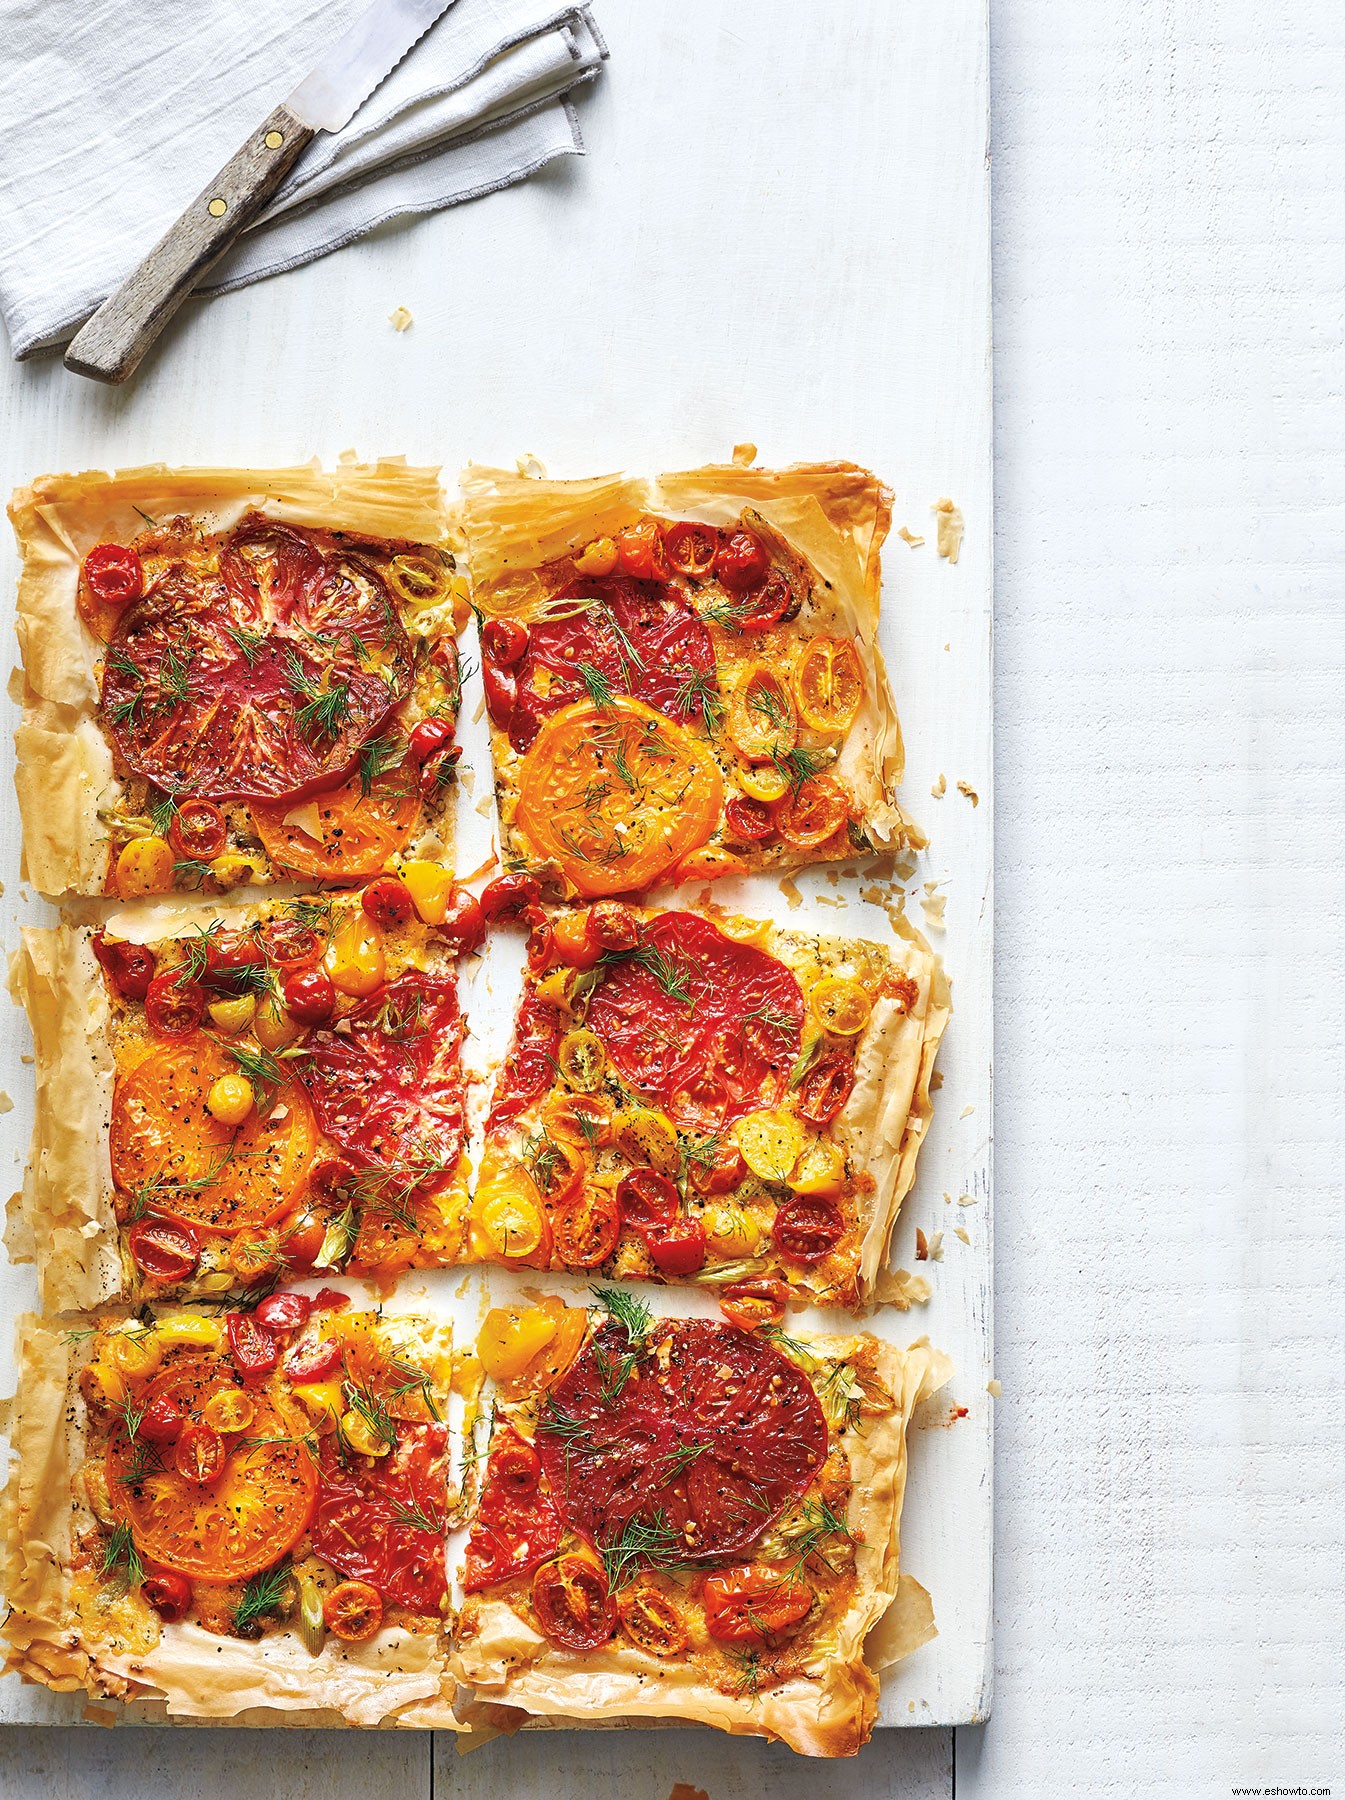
<point>388,902</point>
<point>129,967</point>
<point>255,1351</point>
<point>509,896</point>
<point>573,1602</point>
<point>760,1300</point>
<point>463,927</point>
<point>587,1229</point>
<point>807,1228</point>
<point>174,1004</point>
<point>388,1087</point>
<point>309,996</point>
<point>677,1246</point>
<point>162,1250</point>
<point>198,1455</point>
<point>691,547</point>
<point>288,945</point>
<point>516,1527</point>
<point>115,574</point>
<point>756,1604</point>
<point>197,833</point>
<point>777,599</point>
<point>711,1427</point>
<point>530,1066</point>
<point>628,637</point>
<point>385,1524</point>
<point>244,1517</point>
<point>504,641</point>
<point>262,681</point>
<point>708,1026</point>
<point>826,1087</point>
<point>647,1198</point>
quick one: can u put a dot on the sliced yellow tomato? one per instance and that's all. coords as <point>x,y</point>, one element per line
<point>338,835</point>
<point>811,813</point>
<point>820,1169</point>
<point>508,1220</point>
<point>581,1059</point>
<point>829,683</point>
<point>761,722</point>
<point>510,1337</point>
<point>355,958</point>
<point>841,1007</point>
<point>644,1135</point>
<point>770,1142</point>
<point>616,795</point>
<point>761,781</point>
<point>135,1355</point>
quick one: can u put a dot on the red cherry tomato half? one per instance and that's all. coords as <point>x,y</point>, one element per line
<point>508,895</point>
<point>254,1350</point>
<point>776,599</point>
<point>197,833</point>
<point>825,1089</point>
<point>437,770</point>
<point>587,1229</point>
<point>721,1174</point>
<point>573,1603</point>
<point>388,902</point>
<point>501,688</point>
<point>646,1198</point>
<point>227,953</point>
<point>129,967</point>
<point>309,996</point>
<point>516,1467</point>
<point>169,1594</point>
<point>748,818</point>
<point>807,1228</point>
<point>330,1300</point>
<point>750,1304</point>
<point>504,641</point>
<point>691,547</point>
<point>677,1246</point>
<point>614,925</point>
<point>283,1312</point>
<point>318,1361</point>
<point>741,561</point>
<point>163,1251</point>
<point>427,737</point>
<point>464,924</point>
<point>301,1238</point>
<point>162,1421</point>
<point>541,945</point>
<point>115,574</point>
<point>198,1454</point>
<point>174,1007</point>
<point>287,945</point>
<point>756,1604</point>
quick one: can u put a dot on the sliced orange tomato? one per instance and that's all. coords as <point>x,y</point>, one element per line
<point>813,812</point>
<point>357,832</point>
<point>580,1119</point>
<point>828,683</point>
<point>588,1229</point>
<point>659,795</point>
<point>529,1348</point>
<point>509,1223</point>
<point>754,1604</point>
<point>246,1516</point>
<point>761,722</point>
<point>651,1620</point>
<point>165,1142</point>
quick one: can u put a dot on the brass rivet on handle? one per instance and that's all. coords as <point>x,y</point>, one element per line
<point>217,208</point>
<point>274,139</point>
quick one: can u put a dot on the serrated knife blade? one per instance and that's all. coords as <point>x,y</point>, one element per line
<point>361,59</point>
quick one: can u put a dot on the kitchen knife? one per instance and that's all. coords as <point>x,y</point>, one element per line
<point>109,347</point>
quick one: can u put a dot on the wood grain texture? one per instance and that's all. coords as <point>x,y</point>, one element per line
<point>111,346</point>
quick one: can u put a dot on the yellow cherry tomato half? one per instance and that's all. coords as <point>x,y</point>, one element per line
<point>643,1135</point>
<point>841,1007</point>
<point>829,684</point>
<point>761,722</point>
<point>581,1059</point>
<point>770,1142</point>
<point>229,1411</point>
<point>761,781</point>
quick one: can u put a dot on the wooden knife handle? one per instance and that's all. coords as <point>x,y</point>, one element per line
<point>110,345</point>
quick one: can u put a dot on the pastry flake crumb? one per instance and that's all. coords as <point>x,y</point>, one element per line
<point>994,1388</point>
<point>401,319</point>
<point>940,787</point>
<point>950,527</point>
<point>962,1232</point>
<point>27,1057</point>
<point>790,890</point>
<point>932,905</point>
<point>910,538</point>
<point>965,787</point>
<point>966,1200</point>
<point>935,1246</point>
<point>744,455</point>
<point>532,467</point>
<point>966,1112</point>
<point>902,1289</point>
<point>6,1104</point>
<point>936,1081</point>
<point>921,1246</point>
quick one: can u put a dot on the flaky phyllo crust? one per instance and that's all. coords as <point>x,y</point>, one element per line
<point>64,774</point>
<point>834,515</point>
<point>829,1709</point>
<point>66,1629</point>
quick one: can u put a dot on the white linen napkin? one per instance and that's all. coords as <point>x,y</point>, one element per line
<point>113,116</point>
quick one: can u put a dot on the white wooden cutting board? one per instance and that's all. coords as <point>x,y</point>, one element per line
<point>827,168</point>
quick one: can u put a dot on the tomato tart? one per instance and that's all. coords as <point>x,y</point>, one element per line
<point>238,1516</point>
<point>683,675</point>
<point>235,676</point>
<point>229,1095</point>
<point>686,1520</point>
<point>700,1097</point>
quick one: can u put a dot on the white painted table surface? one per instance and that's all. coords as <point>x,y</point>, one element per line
<point>1171,658</point>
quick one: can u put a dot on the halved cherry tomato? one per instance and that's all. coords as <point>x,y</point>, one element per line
<point>614,925</point>
<point>841,1007</point>
<point>115,574</point>
<point>691,547</point>
<point>651,1620</point>
<point>741,561</point>
<point>254,1350</point>
<point>573,1602</point>
<point>199,1454</point>
<point>169,1594</point>
<point>437,771</point>
<point>557,1170</point>
<point>761,1300</point>
<point>504,641</point>
<point>428,738</point>
<point>388,902</point>
<point>228,1412</point>
<point>508,1213</point>
<point>283,1312</point>
<point>353,1611</point>
<point>309,996</point>
<point>720,1172</point>
<point>174,1007</point>
<point>508,895</point>
<point>226,952</point>
<point>807,1228</point>
<point>197,833</point>
<point>754,1604</point>
<point>639,550</point>
<point>572,940</point>
<point>581,1119</point>
<point>254,1252</point>
<point>317,1361</point>
<point>162,1421</point>
<point>463,927</point>
<point>161,1250</point>
<point>541,943</point>
<point>761,720</point>
<point>775,600</point>
<point>501,690</point>
<point>129,967</point>
<point>586,1231</point>
<point>646,1198</point>
<point>826,1087</point>
<point>748,819</point>
<point>677,1246</point>
<point>813,812</point>
<point>301,1238</point>
<point>829,683</point>
<point>356,832</point>
<point>516,1466</point>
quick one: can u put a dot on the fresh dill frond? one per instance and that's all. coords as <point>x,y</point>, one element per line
<point>379,757</point>
<point>121,1559</point>
<point>626,1310</point>
<point>263,1594</point>
<point>642,1544</point>
<point>417,1519</point>
<point>249,642</point>
<point>161,815</point>
<point>801,764</point>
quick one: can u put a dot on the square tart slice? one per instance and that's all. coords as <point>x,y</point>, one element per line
<point>693,1522</point>
<point>227,1093</point>
<point>234,675</point>
<point>239,1517</point>
<point>683,675</point>
<point>694,1096</point>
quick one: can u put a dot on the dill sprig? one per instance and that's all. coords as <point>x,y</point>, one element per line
<point>698,692</point>
<point>379,757</point>
<point>626,1310</point>
<point>161,815</point>
<point>417,1519</point>
<point>673,977</point>
<point>623,643</point>
<point>263,1594</point>
<point>771,1016</point>
<point>326,708</point>
<point>249,642</point>
<point>362,1399</point>
<point>801,764</point>
<point>642,1544</point>
<point>599,687</point>
<point>121,1559</point>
